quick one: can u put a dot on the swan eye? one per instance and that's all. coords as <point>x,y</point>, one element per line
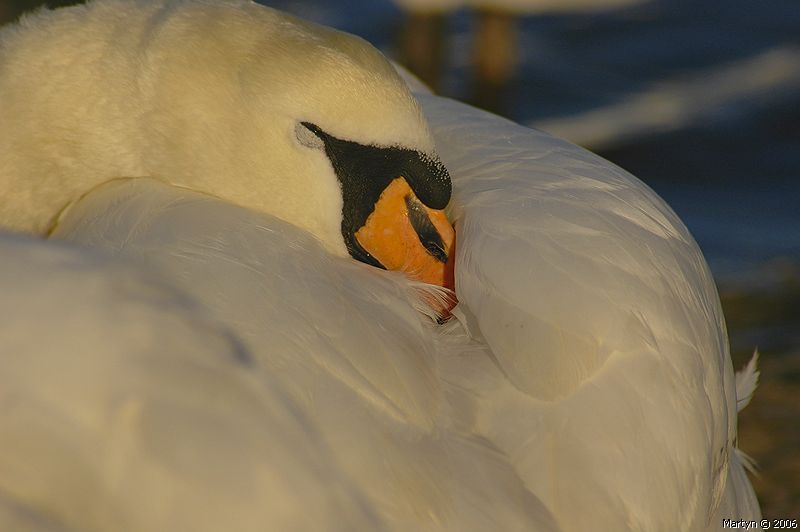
<point>309,135</point>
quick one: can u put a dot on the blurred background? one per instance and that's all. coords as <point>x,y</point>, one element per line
<point>698,98</point>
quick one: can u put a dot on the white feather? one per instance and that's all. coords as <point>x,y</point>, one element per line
<point>613,389</point>
<point>747,382</point>
<point>126,407</point>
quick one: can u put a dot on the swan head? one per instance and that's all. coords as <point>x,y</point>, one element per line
<point>328,137</point>
<point>240,101</point>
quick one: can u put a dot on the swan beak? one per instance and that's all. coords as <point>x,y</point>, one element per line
<point>406,235</point>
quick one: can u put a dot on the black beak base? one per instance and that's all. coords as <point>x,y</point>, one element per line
<point>365,171</point>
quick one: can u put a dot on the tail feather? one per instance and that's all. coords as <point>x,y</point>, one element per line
<point>746,382</point>
<point>747,461</point>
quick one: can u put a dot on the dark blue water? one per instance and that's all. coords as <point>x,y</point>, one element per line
<point>732,172</point>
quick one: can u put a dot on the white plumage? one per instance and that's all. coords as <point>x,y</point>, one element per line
<point>225,371</point>
<point>125,406</point>
<point>600,310</point>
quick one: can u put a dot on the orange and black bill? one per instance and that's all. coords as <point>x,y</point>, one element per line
<point>393,209</point>
<point>405,235</point>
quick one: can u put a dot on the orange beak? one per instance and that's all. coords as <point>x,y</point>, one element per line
<point>405,235</point>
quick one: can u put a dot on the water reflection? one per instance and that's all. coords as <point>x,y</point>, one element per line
<point>423,45</point>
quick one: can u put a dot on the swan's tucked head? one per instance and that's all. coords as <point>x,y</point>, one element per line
<point>313,126</point>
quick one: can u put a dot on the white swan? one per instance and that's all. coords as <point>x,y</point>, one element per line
<point>587,383</point>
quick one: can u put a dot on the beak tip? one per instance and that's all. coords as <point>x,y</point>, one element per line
<point>444,307</point>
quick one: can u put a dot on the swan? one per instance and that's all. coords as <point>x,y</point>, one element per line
<point>178,359</point>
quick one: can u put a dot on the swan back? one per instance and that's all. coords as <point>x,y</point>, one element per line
<point>126,406</point>
<point>345,341</point>
<point>604,323</point>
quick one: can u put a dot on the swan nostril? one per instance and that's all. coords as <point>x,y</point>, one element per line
<point>429,237</point>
